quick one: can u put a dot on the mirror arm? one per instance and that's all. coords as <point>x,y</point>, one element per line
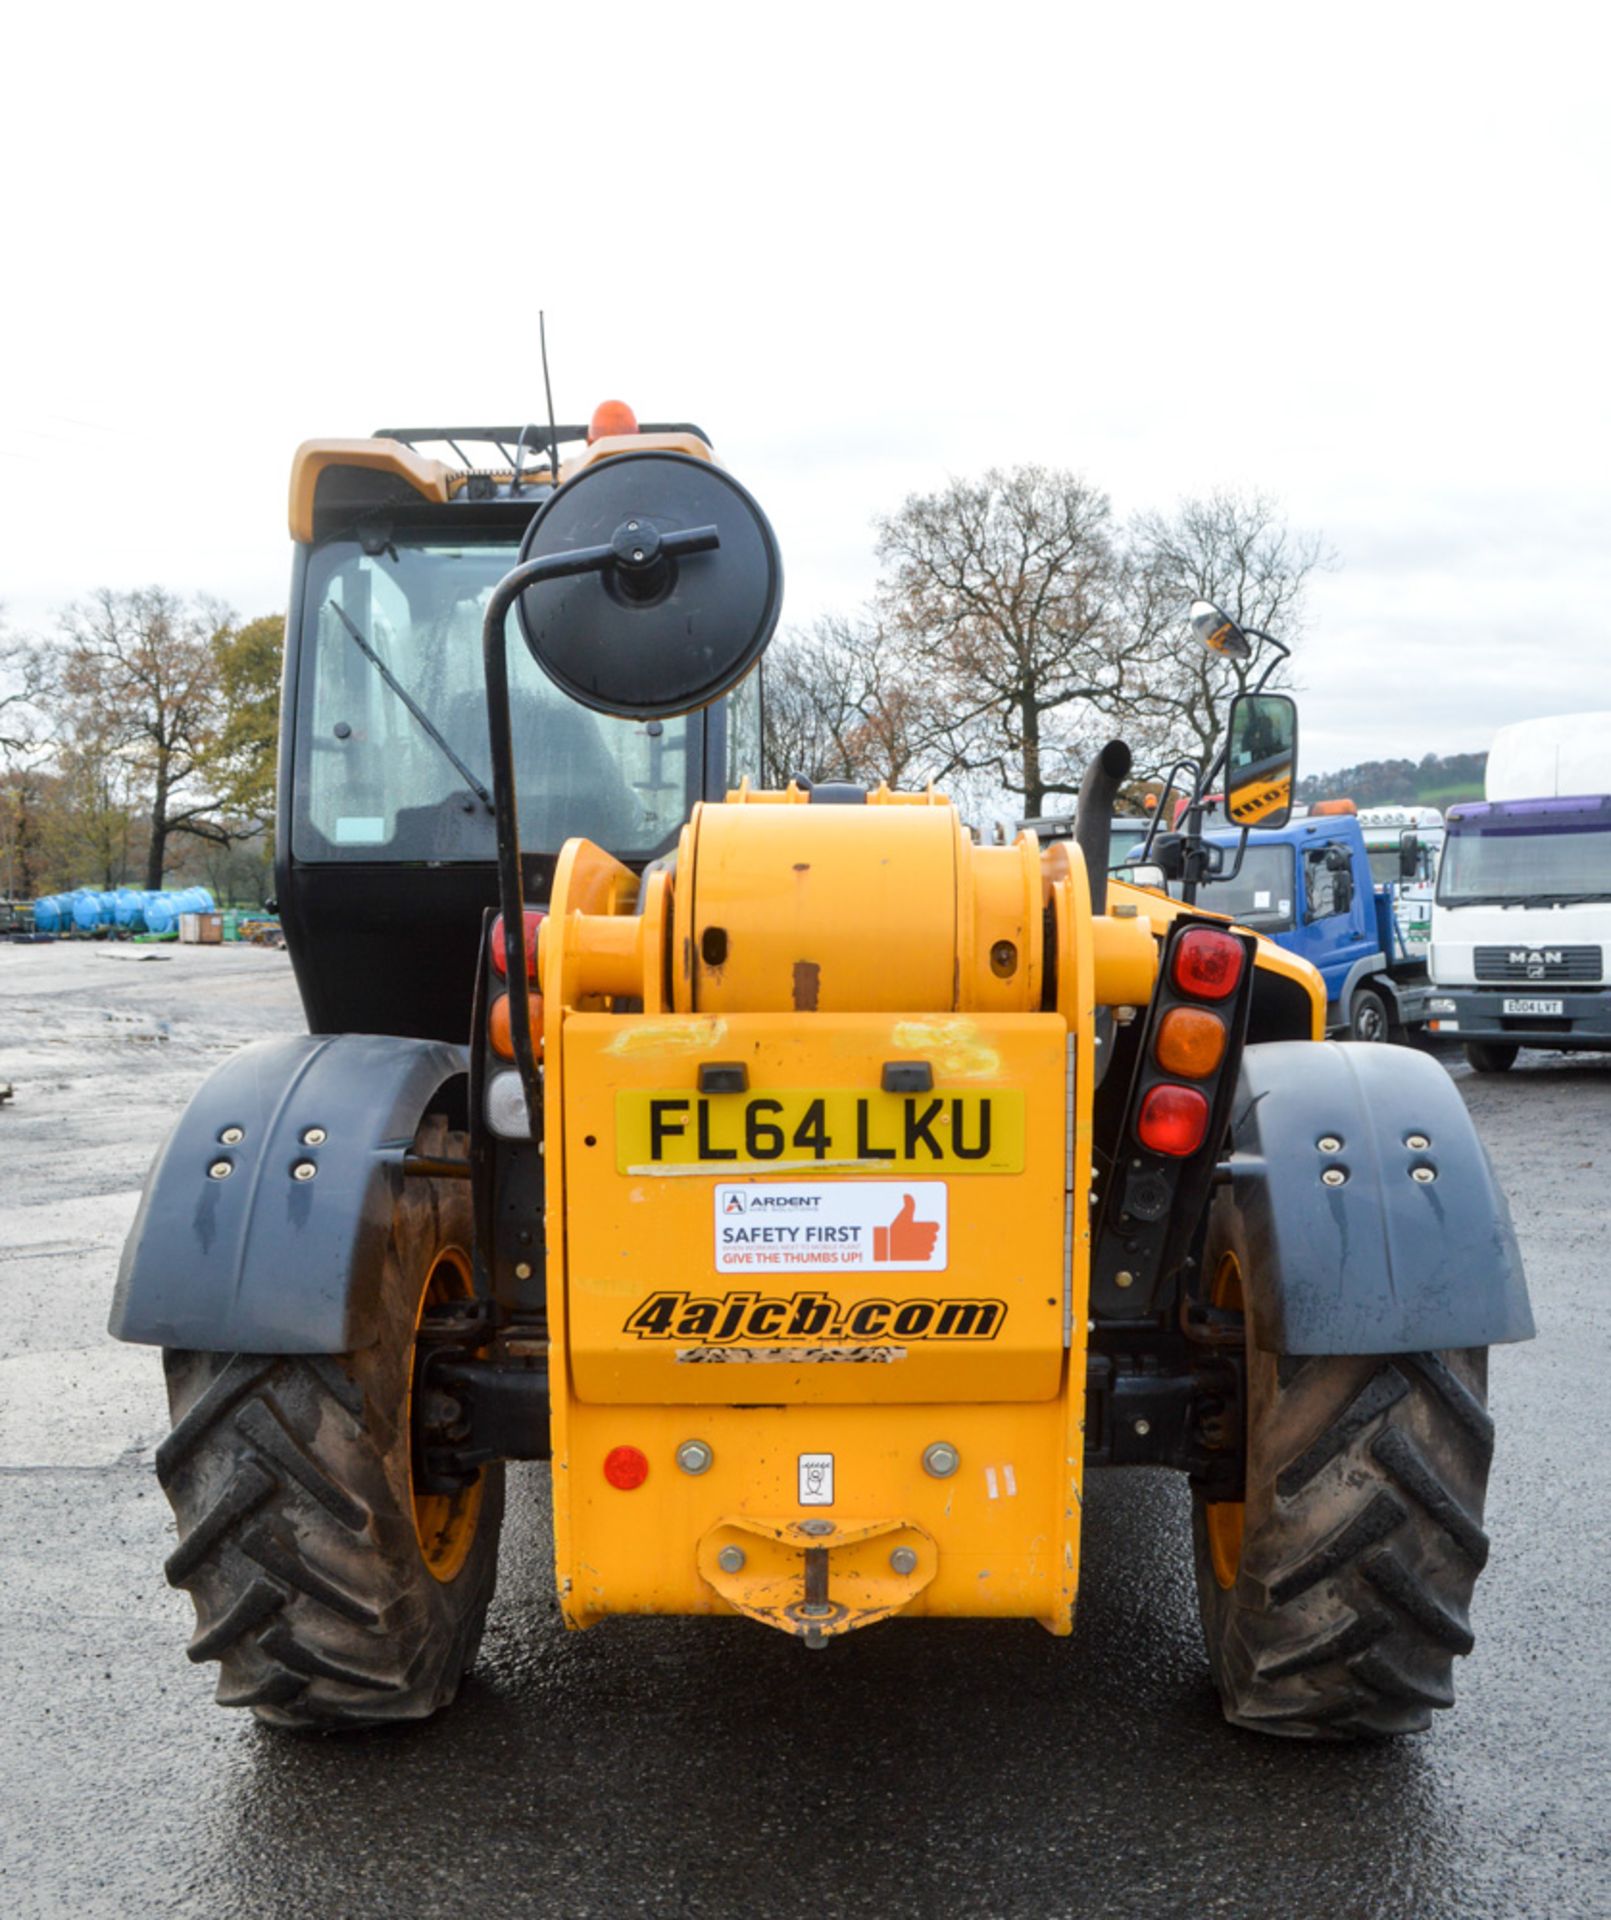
<point>500,732</point>
<point>1236,864</point>
<point>1143,858</point>
<point>1282,652</point>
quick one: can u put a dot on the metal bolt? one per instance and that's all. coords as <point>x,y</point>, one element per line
<point>1424,1174</point>
<point>1417,1142</point>
<point>632,526</point>
<point>1333,1177</point>
<point>903,1560</point>
<point>731,1559</point>
<point>637,553</point>
<point>1328,1143</point>
<point>941,1460</point>
<point>1143,1427</point>
<point>232,1136</point>
<point>818,1529</point>
<point>314,1137</point>
<point>220,1169</point>
<point>303,1170</point>
<point>522,1269</point>
<point>1124,1278</point>
<point>694,1456</point>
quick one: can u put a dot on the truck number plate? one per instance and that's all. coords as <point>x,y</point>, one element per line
<point>865,1132</point>
<point>1542,1009</point>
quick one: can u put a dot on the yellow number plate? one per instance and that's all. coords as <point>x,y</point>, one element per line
<point>799,1127</point>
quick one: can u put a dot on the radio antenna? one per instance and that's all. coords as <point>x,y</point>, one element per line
<point>553,431</point>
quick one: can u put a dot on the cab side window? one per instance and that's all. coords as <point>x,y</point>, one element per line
<point>1325,888</point>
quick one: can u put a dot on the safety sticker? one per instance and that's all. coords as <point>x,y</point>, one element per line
<point>849,1226</point>
<point>816,1479</point>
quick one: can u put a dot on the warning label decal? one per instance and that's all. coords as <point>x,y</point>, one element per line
<point>860,1226</point>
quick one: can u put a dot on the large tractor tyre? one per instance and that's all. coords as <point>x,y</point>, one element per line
<point>331,1594</point>
<point>1335,1597</point>
<point>1491,1056</point>
<point>1368,1018</point>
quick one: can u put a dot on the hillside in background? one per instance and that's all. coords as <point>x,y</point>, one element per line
<point>1437,780</point>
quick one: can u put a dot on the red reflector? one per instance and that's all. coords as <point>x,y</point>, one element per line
<point>1172,1120</point>
<point>535,916</point>
<point>626,1468</point>
<point>1208,964</point>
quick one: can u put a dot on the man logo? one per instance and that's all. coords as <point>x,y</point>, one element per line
<point>1535,966</point>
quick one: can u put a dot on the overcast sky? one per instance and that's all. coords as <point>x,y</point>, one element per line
<point>1354,256</point>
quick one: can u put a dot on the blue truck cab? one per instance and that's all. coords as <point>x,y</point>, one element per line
<point>1308,886</point>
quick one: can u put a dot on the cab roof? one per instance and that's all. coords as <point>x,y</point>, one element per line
<point>333,481</point>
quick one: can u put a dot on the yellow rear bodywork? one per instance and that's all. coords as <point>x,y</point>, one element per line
<point>836,1295</point>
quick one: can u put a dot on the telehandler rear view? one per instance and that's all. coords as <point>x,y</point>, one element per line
<point>823,1192</point>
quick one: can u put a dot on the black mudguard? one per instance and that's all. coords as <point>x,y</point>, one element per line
<point>260,1261</point>
<point>1383,1262</point>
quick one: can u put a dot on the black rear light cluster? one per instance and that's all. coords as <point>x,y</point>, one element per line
<point>1160,1165</point>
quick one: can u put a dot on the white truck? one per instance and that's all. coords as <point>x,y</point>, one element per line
<point>1404,844</point>
<point>1521,920</point>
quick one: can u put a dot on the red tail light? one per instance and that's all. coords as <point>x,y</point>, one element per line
<point>1207,964</point>
<point>1172,1120</point>
<point>535,916</point>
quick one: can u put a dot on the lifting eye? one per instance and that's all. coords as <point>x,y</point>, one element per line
<point>713,946</point>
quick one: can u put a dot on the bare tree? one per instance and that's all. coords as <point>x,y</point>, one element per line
<point>1004,597</point>
<point>21,684</point>
<point>1236,550</point>
<point>137,680</point>
<point>839,707</point>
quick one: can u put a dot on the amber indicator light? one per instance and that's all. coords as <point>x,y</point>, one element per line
<point>1191,1042</point>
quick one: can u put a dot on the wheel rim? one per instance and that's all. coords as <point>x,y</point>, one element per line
<point>1371,1024</point>
<point>444,1523</point>
<point>1226,1520</point>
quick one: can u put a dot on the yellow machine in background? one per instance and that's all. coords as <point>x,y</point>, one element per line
<point>822,1191</point>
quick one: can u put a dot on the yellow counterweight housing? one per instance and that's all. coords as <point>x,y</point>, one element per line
<point>817,1138</point>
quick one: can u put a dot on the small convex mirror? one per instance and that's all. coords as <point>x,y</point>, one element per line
<point>1219,632</point>
<point>1262,760</point>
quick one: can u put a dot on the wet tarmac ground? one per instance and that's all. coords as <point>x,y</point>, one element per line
<point>715,1769</point>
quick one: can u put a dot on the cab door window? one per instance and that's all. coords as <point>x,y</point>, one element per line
<point>1328,882</point>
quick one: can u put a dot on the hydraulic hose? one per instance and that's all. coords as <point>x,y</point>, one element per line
<point>1093,817</point>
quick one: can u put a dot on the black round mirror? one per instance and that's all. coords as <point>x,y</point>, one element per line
<point>656,634</point>
<point>1218,631</point>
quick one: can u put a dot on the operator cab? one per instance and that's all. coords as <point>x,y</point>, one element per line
<point>387,847</point>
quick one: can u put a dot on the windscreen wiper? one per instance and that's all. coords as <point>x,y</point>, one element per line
<point>426,722</point>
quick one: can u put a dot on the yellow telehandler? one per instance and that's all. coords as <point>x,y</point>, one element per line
<point>822,1191</point>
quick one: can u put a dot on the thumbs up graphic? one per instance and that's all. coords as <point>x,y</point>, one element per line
<point>906,1237</point>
